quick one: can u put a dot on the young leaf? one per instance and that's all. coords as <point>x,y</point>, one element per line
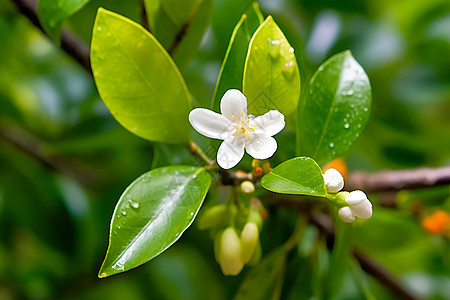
<point>300,175</point>
<point>152,214</point>
<point>336,110</point>
<point>52,14</point>
<point>271,76</point>
<point>231,73</point>
<point>179,25</point>
<point>138,81</point>
<point>264,281</point>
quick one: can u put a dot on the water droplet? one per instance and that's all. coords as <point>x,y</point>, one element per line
<point>320,68</point>
<point>359,125</point>
<point>366,109</point>
<point>288,69</point>
<point>331,145</point>
<point>118,227</point>
<point>192,213</point>
<point>345,119</point>
<point>134,204</point>
<point>347,115</point>
<point>123,212</point>
<point>99,28</point>
<point>194,176</point>
<point>291,50</point>
<point>346,125</point>
<point>274,48</point>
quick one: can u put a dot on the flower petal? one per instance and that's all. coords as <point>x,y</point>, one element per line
<point>261,146</point>
<point>269,124</point>
<point>233,104</point>
<point>230,152</point>
<point>346,214</point>
<point>356,197</point>
<point>363,210</point>
<point>209,123</point>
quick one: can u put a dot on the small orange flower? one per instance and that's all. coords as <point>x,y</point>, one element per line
<point>438,223</point>
<point>338,164</point>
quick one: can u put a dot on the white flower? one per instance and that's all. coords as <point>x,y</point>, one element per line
<point>238,130</point>
<point>334,182</point>
<point>359,206</point>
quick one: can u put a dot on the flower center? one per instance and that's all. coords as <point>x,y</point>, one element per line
<point>242,126</point>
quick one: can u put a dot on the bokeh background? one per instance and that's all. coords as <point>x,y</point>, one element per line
<point>64,161</point>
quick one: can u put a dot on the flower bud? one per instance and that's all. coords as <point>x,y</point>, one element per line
<point>212,217</point>
<point>249,240</point>
<point>360,205</point>
<point>334,182</point>
<point>230,252</point>
<point>346,214</point>
<point>247,187</point>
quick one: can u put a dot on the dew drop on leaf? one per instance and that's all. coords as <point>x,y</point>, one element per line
<point>288,69</point>
<point>346,125</point>
<point>331,145</point>
<point>274,48</point>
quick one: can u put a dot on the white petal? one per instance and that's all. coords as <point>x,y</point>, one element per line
<point>230,153</point>
<point>363,210</point>
<point>233,103</point>
<point>261,146</point>
<point>334,182</point>
<point>356,197</point>
<point>346,214</point>
<point>269,124</point>
<point>209,123</point>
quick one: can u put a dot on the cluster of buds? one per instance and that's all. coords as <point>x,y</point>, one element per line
<point>236,241</point>
<point>351,205</point>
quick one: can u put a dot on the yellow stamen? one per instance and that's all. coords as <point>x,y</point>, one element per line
<point>248,121</point>
<point>233,117</point>
<point>242,113</point>
<point>237,119</point>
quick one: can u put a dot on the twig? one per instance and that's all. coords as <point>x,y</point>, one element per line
<point>399,180</point>
<point>183,30</point>
<point>34,148</point>
<point>70,43</point>
<point>195,150</point>
<point>144,19</point>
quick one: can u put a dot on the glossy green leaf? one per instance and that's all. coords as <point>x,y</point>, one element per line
<point>152,214</point>
<point>265,280</point>
<point>336,110</point>
<point>300,175</point>
<point>231,73</point>
<point>52,14</point>
<point>138,81</point>
<point>271,76</point>
<point>179,25</point>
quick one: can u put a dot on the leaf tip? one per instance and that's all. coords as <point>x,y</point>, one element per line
<point>102,275</point>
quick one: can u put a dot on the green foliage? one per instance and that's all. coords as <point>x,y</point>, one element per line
<point>271,76</point>
<point>52,14</point>
<point>151,101</point>
<point>300,176</point>
<point>265,280</point>
<point>179,25</point>
<point>336,110</point>
<point>231,72</point>
<point>152,214</point>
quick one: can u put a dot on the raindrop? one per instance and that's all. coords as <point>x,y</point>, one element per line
<point>331,145</point>
<point>134,204</point>
<point>288,69</point>
<point>192,213</point>
<point>366,109</point>
<point>124,213</point>
<point>99,28</point>
<point>194,176</point>
<point>346,126</point>
<point>118,227</point>
<point>274,48</point>
<point>347,115</point>
<point>291,50</point>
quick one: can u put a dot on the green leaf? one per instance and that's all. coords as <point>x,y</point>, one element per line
<point>336,110</point>
<point>138,81</point>
<point>52,14</point>
<point>179,25</point>
<point>152,214</point>
<point>300,176</point>
<point>231,72</point>
<point>265,280</point>
<point>271,76</point>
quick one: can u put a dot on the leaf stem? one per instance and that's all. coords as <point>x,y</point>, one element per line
<point>197,152</point>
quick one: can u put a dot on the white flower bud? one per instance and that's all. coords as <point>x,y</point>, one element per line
<point>334,182</point>
<point>346,214</point>
<point>247,187</point>
<point>359,204</point>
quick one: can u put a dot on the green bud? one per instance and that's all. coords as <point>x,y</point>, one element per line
<point>340,199</point>
<point>249,240</point>
<point>212,217</point>
<point>247,187</point>
<point>230,253</point>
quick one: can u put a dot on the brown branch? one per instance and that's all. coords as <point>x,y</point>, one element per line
<point>369,266</point>
<point>399,180</point>
<point>182,32</point>
<point>34,148</point>
<point>70,43</point>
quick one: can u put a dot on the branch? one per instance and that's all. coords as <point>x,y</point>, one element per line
<point>33,147</point>
<point>399,180</point>
<point>183,30</point>
<point>70,43</point>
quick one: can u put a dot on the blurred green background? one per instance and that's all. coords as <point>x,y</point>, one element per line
<point>56,203</point>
